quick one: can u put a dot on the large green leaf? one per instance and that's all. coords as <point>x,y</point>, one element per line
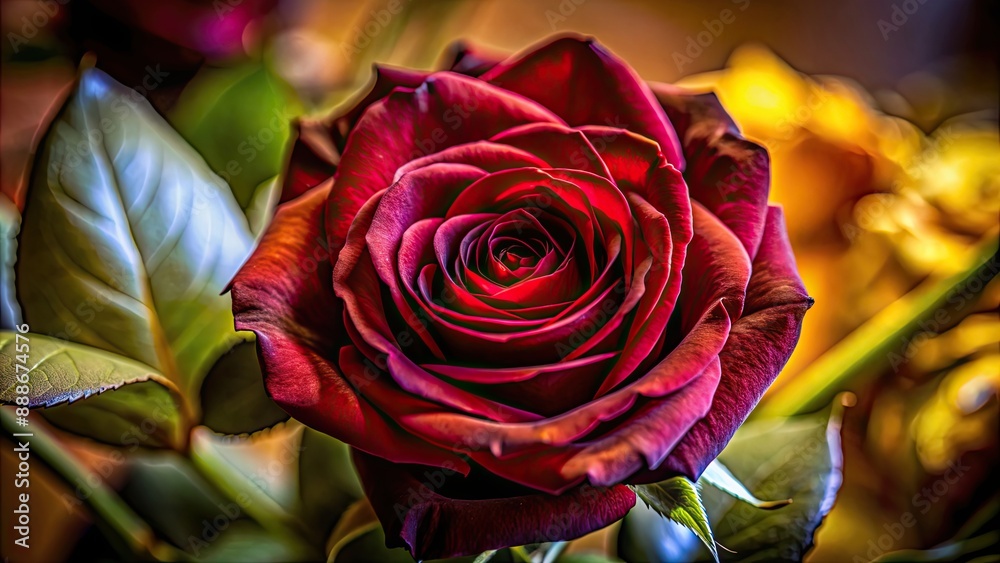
<point>240,120</point>
<point>328,483</point>
<point>198,518</point>
<point>261,467</point>
<point>92,392</point>
<point>677,499</point>
<point>295,477</point>
<point>10,224</point>
<point>719,476</point>
<point>129,238</point>
<point>233,397</point>
<point>247,542</point>
<point>796,458</point>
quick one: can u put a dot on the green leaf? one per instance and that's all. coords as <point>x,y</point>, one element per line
<point>10,224</point>
<point>296,478</point>
<point>240,120</point>
<point>92,392</point>
<point>129,238</point>
<point>114,516</point>
<point>183,508</point>
<point>796,458</point>
<point>677,498</point>
<point>262,468</point>
<point>717,475</point>
<point>247,541</point>
<point>359,537</point>
<point>233,398</point>
<point>198,518</point>
<point>485,556</point>
<point>328,483</point>
<point>262,205</point>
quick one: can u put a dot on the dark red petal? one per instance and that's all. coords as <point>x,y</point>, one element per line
<point>489,443</point>
<point>319,143</point>
<point>424,193</point>
<point>585,84</point>
<point>357,283</point>
<point>646,436</point>
<point>759,345</point>
<point>447,109</point>
<point>557,145</point>
<point>717,268</point>
<point>657,302</point>
<point>716,278</point>
<point>413,504</point>
<point>491,157</point>
<point>471,60</point>
<point>725,172</point>
<point>283,295</point>
<point>313,159</point>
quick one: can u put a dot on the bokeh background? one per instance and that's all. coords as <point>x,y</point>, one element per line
<point>880,116</point>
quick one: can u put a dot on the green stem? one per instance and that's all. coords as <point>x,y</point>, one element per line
<point>110,509</point>
<point>521,554</point>
<point>873,343</point>
<point>242,490</point>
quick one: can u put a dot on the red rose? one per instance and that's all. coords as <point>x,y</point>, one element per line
<point>513,293</point>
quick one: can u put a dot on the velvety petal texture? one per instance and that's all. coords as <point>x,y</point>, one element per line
<point>423,510</point>
<point>517,284</point>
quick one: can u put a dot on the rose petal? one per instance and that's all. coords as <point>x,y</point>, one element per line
<point>486,155</point>
<point>728,174</point>
<point>445,110</point>
<point>319,143</point>
<point>418,512</point>
<point>656,304</point>
<point>282,294</point>
<point>559,146</point>
<point>759,345</point>
<point>646,437</point>
<point>356,282</point>
<point>490,443</point>
<point>605,90</point>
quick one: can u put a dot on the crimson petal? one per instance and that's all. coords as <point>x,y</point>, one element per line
<point>728,174</point>
<point>447,109</point>
<point>319,142</point>
<point>283,295</point>
<point>414,506</point>
<point>622,100</point>
<point>759,345</point>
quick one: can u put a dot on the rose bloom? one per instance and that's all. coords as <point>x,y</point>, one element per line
<point>514,286</point>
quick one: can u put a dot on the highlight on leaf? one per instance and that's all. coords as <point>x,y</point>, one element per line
<point>678,499</point>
